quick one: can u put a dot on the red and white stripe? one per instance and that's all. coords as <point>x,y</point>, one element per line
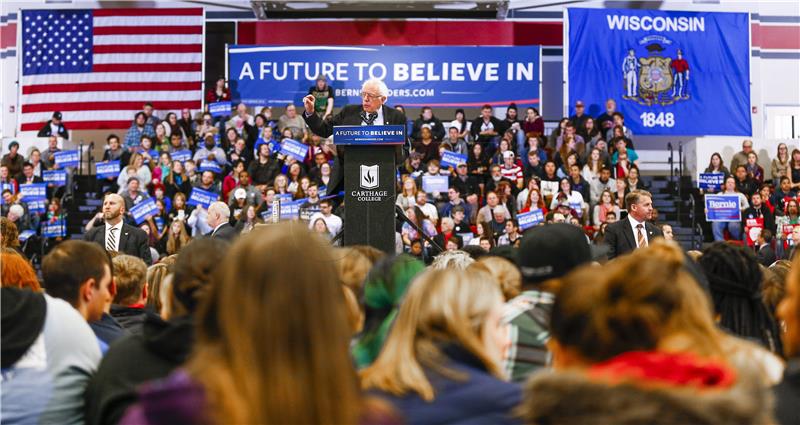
<point>139,55</point>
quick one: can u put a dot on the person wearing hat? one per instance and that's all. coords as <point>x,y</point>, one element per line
<point>579,119</point>
<point>512,170</point>
<point>13,160</point>
<point>323,97</point>
<point>546,253</point>
<point>54,127</point>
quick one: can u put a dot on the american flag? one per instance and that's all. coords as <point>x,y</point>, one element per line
<point>99,67</point>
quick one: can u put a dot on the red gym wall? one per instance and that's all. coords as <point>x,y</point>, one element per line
<point>407,32</point>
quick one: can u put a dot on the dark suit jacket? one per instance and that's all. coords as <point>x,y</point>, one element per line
<point>621,240</point>
<point>133,241</point>
<point>226,232</point>
<point>36,179</point>
<point>766,256</point>
<point>350,115</point>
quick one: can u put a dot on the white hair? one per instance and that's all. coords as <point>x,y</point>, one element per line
<point>457,259</point>
<point>378,84</point>
<point>17,210</point>
<point>221,209</point>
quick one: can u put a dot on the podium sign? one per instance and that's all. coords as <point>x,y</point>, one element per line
<point>369,135</point>
<point>369,183</point>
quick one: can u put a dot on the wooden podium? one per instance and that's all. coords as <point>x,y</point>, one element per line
<point>369,183</point>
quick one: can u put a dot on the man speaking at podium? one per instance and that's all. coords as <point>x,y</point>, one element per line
<point>372,111</point>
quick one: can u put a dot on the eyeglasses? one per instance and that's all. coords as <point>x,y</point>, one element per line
<point>370,96</point>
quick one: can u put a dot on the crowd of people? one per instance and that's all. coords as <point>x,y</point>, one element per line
<point>536,334</point>
<point>580,173</point>
<point>770,216</point>
<point>533,288</point>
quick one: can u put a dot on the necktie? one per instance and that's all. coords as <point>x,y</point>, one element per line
<point>640,239</point>
<point>369,118</point>
<point>111,241</point>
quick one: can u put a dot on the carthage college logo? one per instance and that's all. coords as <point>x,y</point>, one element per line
<point>369,176</point>
<point>655,72</point>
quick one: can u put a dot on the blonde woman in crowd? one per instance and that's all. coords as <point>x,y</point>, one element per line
<point>441,362</point>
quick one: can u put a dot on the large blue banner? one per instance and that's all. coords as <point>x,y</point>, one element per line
<point>445,76</point>
<point>670,73</point>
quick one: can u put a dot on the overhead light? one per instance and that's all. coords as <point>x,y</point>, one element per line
<point>305,5</point>
<point>456,6</point>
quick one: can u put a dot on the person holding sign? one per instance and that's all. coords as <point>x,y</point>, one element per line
<point>734,227</point>
<point>758,209</point>
<point>116,235</point>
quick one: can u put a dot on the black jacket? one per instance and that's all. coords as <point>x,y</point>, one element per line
<point>46,131</point>
<point>129,318</point>
<point>476,128</point>
<point>133,241</point>
<point>763,212</point>
<point>621,239</point>
<point>350,115</point>
<point>107,329</point>
<point>766,255</point>
<point>225,232</point>
<point>154,354</point>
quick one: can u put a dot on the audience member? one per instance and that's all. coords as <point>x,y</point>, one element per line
<point>442,358</point>
<point>130,276</point>
<point>48,355</point>
<point>546,253</point>
<point>787,393</point>
<point>162,345</point>
<point>384,288</point>
<point>233,373</point>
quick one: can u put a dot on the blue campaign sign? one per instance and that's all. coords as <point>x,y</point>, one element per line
<point>452,159</point>
<point>711,181</point>
<point>670,73</point>
<point>437,76</point>
<point>107,169</point>
<point>68,158</point>
<point>37,206</point>
<point>723,208</point>
<point>220,109</point>
<point>25,234</point>
<point>369,135</point>
<point>212,166</point>
<point>530,219</point>
<point>33,191</point>
<point>435,184</point>
<point>8,186</point>
<point>181,155</point>
<point>54,229</point>
<point>294,149</point>
<point>290,210</point>
<point>55,177</point>
<point>144,208</point>
<point>200,197</point>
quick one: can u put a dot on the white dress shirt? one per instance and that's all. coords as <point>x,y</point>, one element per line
<point>117,234</point>
<point>634,225</point>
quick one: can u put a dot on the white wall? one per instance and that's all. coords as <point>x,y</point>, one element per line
<point>697,153</point>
